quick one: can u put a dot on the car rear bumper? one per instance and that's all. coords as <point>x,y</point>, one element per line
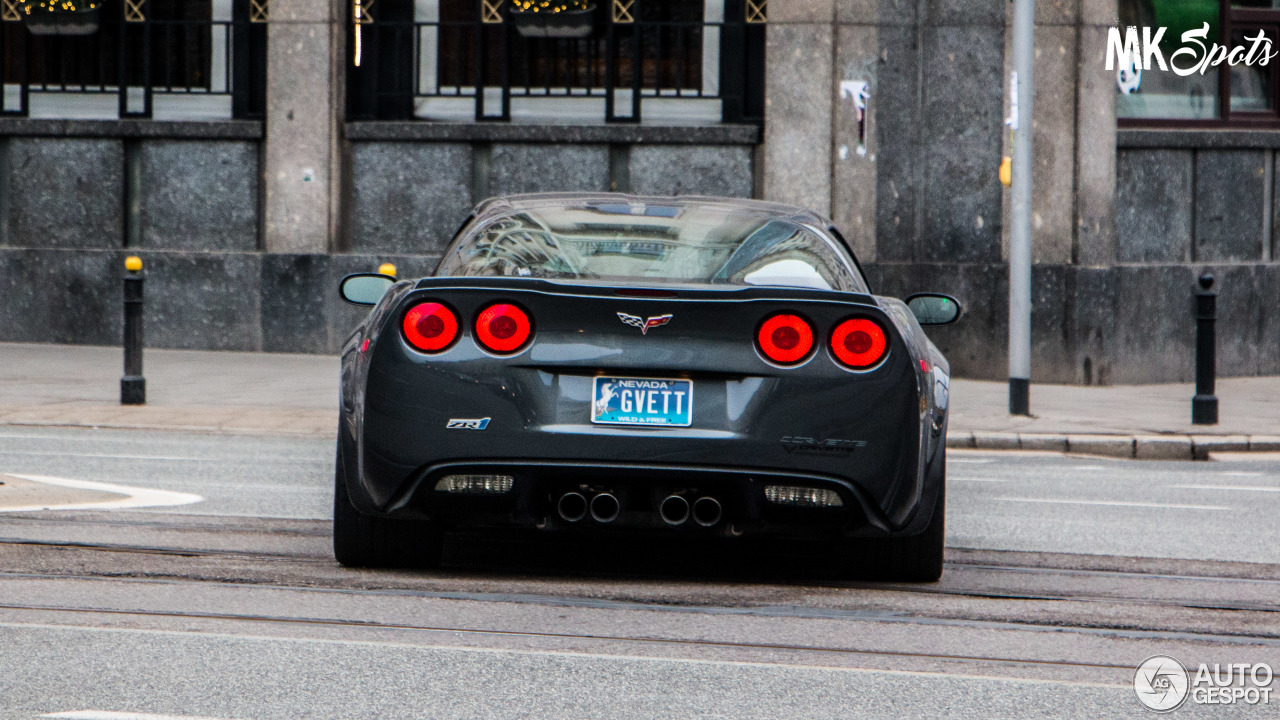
<point>533,502</point>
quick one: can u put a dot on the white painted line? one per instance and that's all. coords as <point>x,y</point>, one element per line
<point>136,497</point>
<point>1238,473</point>
<point>1115,503</point>
<point>108,715</point>
<point>1253,488</point>
<point>1088,467</point>
<point>970,461</point>
<point>976,479</point>
<point>101,455</point>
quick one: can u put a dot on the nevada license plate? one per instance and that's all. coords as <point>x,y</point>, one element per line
<point>642,401</point>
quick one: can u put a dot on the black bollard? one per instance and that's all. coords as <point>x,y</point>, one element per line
<point>1204,406</point>
<point>133,387</point>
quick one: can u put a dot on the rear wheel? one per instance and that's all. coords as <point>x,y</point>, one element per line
<point>917,558</point>
<point>361,540</point>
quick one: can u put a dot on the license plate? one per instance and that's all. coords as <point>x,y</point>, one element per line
<point>642,401</point>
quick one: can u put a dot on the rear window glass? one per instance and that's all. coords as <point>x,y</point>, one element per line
<point>685,243</point>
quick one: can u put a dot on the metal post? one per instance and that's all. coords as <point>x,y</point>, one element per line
<point>1204,406</point>
<point>1020,231</point>
<point>133,387</point>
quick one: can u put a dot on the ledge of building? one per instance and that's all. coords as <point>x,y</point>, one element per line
<point>201,129</point>
<point>506,132</point>
<point>1197,138</point>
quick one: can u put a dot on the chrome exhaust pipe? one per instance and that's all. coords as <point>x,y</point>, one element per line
<point>572,507</point>
<point>674,510</point>
<point>605,508</point>
<point>707,511</point>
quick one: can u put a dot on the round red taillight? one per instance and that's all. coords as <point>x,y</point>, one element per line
<point>785,338</point>
<point>503,328</point>
<point>858,343</point>
<point>430,327</point>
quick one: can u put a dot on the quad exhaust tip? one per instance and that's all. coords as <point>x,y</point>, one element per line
<point>605,508</point>
<point>674,510</point>
<point>707,511</point>
<point>572,507</point>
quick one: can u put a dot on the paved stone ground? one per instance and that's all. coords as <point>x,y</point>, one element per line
<point>298,394</point>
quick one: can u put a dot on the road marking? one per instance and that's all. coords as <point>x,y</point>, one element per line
<point>108,715</point>
<point>1115,503</point>
<point>1238,473</point>
<point>1088,467</point>
<point>137,497</point>
<point>99,455</point>
<point>976,479</point>
<point>1254,488</point>
<point>971,461</point>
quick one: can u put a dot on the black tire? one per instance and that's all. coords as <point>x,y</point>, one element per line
<point>917,558</point>
<point>361,540</point>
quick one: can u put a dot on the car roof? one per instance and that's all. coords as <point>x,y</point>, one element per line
<point>507,203</point>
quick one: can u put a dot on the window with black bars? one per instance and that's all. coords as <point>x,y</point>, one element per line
<point>697,61</point>
<point>200,58</point>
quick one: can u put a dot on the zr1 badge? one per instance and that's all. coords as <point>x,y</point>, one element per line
<point>465,424</point>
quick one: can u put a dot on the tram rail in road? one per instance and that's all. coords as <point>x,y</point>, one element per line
<point>223,603</point>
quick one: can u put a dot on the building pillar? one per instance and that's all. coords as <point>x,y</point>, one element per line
<point>1095,138</point>
<point>1074,161</point>
<point>799,99</point>
<point>304,112</point>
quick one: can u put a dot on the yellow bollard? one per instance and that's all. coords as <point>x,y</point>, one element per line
<point>133,263</point>
<point>387,269</point>
<point>1006,171</point>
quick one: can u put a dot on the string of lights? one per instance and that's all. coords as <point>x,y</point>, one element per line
<point>57,6</point>
<point>549,6</point>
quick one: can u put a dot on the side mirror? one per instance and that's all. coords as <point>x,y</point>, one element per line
<point>934,309</point>
<point>365,288</point>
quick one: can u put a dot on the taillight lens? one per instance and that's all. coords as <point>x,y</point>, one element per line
<point>430,327</point>
<point>785,338</point>
<point>503,328</point>
<point>858,343</point>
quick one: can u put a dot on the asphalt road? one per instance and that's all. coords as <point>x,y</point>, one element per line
<point>1063,574</point>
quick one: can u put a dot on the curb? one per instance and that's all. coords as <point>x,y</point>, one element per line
<point>1137,447</point>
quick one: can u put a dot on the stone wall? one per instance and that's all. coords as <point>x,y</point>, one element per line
<point>412,184</point>
<point>1129,323</point>
<point>77,197</point>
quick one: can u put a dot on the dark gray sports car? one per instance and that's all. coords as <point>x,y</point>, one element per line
<point>602,363</point>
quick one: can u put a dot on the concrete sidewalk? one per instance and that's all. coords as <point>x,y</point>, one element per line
<point>298,394</point>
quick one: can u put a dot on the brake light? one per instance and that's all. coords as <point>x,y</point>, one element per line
<point>503,328</point>
<point>785,338</point>
<point>430,327</point>
<point>858,343</point>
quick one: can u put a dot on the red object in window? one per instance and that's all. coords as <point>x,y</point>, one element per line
<point>785,338</point>
<point>430,327</point>
<point>364,346</point>
<point>858,343</point>
<point>503,328</point>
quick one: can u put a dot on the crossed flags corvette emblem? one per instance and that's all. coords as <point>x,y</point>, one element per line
<point>644,323</point>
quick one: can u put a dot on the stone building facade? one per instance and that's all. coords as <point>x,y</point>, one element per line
<point>888,115</point>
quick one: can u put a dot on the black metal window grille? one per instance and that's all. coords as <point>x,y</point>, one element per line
<point>150,49</point>
<point>476,59</point>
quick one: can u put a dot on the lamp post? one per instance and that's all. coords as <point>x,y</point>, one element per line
<point>1024,12</point>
